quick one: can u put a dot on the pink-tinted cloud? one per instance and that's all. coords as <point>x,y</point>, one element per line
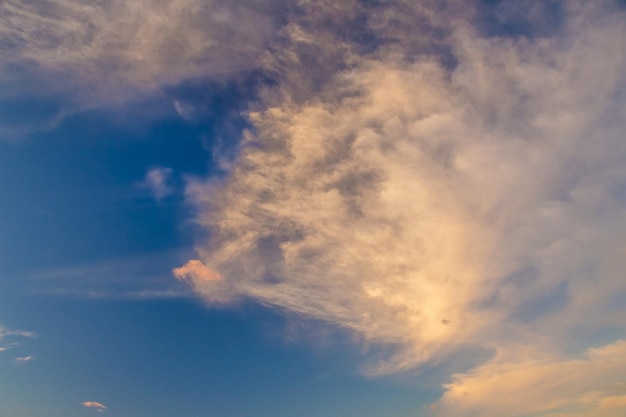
<point>196,270</point>
<point>99,407</point>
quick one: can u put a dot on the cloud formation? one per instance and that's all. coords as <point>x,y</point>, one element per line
<point>60,57</point>
<point>23,359</point>
<point>137,277</point>
<point>7,337</point>
<point>432,208</point>
<point>411,175</point>
<point>143,43</point>
<point>592,385</point>
<point>158,181</point>
<point>100,408</point>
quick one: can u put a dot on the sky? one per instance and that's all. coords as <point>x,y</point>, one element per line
<point>310,208</point>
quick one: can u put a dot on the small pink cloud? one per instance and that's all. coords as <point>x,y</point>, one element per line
<point>99,407</point>
<point>195,270</point>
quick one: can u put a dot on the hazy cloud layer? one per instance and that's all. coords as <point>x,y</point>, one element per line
<point>58,57</point>
<point>143,43</point>
<point>592,385</point>
<point>139,277</point>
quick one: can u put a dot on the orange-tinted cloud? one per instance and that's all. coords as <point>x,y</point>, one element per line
<point>195,270</point>
<point>99,407</point>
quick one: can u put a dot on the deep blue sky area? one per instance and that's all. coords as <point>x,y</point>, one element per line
<point>176,357</point>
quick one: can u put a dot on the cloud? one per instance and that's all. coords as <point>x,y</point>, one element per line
<point>138,277</point>
<point>23,359</point>
<point>6,336</point>
<point>100,408</point>
<point>141,44</point>
<point>81,55</point>
<point>158,181</point>
<point>590,385</point>
<point>430,208</point>
<point>196,273</point>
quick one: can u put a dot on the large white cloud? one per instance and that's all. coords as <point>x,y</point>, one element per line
<point>431,208</point>
<point>406,177</point>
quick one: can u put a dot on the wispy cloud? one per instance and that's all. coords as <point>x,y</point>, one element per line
<point>158,181</point>
<point>8,337</point>
<point>136,43</point>
<point>141,277</point>
<point>100,408</point>
<point>23,359</point>
<point>82,55</point>
<point>586,386</point>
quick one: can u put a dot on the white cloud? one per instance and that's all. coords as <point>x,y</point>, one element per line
<point>8,336</point>
<point>23,359</point>
<point>588,386</point>
<point>430,209</point>
<point>99,407</point>
<point>185,110</point>
<point>158,180</point>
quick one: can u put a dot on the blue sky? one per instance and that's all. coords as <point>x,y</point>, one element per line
<point>268,208</point>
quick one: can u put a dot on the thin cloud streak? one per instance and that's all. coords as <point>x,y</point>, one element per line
<point>22,360</point>
<point>7,337</point>
<point>141,277</point>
